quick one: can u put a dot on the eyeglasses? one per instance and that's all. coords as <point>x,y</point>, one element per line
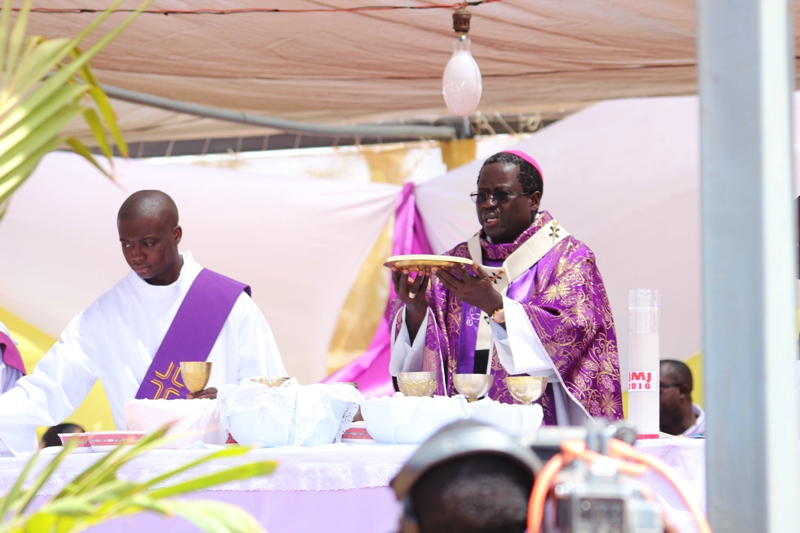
<point>499,197</point>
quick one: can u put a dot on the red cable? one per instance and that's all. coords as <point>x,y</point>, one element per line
<point>571,450</point>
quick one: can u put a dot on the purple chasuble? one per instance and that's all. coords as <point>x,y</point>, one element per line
<point>192,334</point>
<point>563,296</point>
<point>10,353</point>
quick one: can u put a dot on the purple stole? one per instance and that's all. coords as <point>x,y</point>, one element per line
<point>471,316</point>
<point>192,334</point>
<point>468,340</point>
<point>11,356</point>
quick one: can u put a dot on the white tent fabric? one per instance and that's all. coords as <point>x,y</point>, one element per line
<point>623,176</point>
<point>299,243</point>
<point>335,66</point>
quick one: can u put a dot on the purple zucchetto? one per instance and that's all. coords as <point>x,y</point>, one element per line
<point>527,158</point>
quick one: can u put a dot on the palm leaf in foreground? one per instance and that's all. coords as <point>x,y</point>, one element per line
<point>44,85</point>
<point>98,494</point>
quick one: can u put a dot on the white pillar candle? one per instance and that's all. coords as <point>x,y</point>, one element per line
<point>643,361</point>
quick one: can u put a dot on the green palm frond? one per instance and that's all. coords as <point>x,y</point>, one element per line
<point>98,494</point>
<point>44,85</point>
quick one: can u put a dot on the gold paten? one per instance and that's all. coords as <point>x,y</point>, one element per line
<point>270,382</point>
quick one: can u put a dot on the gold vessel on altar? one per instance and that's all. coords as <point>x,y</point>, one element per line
<point>270,382</point>
<point>473,386</point>
<point>418,383</point>
<point>526,389</point>
<point>195,375</point>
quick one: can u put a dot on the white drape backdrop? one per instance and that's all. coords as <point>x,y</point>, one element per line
<point>299,243</point>
<point>622,176</point>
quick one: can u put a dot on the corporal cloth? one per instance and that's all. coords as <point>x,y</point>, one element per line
<point>558,320</point>
<point>115,340</point>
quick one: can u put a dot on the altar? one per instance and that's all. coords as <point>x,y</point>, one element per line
<point>330,488</point>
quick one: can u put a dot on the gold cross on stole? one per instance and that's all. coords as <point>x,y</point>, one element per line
<point>160,384</point>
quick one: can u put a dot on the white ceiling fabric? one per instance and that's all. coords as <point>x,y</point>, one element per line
<point>298,242</point>
<point>336,67</point>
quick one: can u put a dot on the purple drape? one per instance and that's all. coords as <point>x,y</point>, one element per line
<point>371,370</point>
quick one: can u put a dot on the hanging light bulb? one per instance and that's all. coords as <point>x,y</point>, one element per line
<point>461,83</point>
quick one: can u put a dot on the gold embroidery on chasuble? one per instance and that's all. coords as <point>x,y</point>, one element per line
<point>172,374</point>
<point>582,329</point>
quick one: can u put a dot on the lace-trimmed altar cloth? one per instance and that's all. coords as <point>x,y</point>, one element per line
<point>326,467</point>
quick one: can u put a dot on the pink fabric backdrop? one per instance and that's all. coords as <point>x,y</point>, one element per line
<point>371,370</point>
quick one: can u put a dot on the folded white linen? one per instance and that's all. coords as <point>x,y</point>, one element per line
<point>411,420</point>
<point>289,415</point>
<point>193,420</point>
<point>517,420</point>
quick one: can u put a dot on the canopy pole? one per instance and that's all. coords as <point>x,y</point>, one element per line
<point>288,126</point>
<point>746,78</point>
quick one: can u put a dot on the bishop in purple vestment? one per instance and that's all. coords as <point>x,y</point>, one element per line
<point>536,290</point>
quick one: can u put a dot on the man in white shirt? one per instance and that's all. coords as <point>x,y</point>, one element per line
<point>678,414</point>
<point>167,309</point>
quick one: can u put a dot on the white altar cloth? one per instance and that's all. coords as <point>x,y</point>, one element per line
<point>319,468</point>
<point>311,485</point>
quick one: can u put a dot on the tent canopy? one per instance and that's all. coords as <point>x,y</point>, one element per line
<point>333,66</point>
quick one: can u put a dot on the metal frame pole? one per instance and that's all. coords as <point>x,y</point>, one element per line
<point>746,78</point>
<point>409,131</point>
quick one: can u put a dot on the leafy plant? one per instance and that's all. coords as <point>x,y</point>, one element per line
<point>44,85</point>
<point>98,494</point>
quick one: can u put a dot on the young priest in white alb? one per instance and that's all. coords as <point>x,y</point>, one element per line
<point>118,338</point>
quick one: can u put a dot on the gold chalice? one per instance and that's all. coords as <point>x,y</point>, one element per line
<point>270,382</point>
<point>526,389</point>
<point>473,386</point>
<point>195,375</point>
<point>418,383</point>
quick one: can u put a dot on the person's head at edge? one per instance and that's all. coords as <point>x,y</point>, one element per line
<point>478,493</point>
<point>51,438</point>
<point>149,234</point>
<point>515,187</point>
<point>675,390</point>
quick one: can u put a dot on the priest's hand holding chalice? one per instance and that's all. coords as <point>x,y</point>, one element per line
<point>195,376</point>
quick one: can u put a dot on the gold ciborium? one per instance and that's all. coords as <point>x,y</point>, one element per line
<point>270,382</point>
<point>526,389</point>
<point>195,375</point>
<point>418,383</point>
<point>473,386</point>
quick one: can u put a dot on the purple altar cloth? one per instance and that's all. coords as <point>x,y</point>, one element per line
<point>371,370</point>
<point>192,334</point>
